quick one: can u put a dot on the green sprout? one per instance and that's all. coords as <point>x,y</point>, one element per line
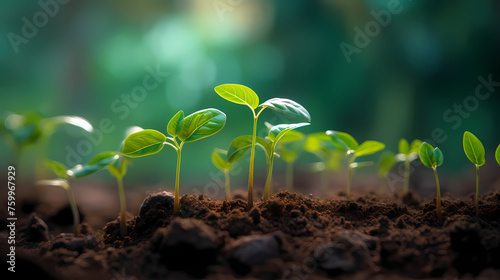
<point>102,160</point>
<point>223,165</point>
<point>289,148</point>
<point>407,154</point>
<point>240,94</point>
<point>497,154</point>
<point>432,158</point>
<point>386,161</point>
<point>474,150</point>
<point>199,125</point>
<point>353,150</point>
<point>240,145</point>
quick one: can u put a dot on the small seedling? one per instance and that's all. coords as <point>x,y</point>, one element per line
<point>352,149</point>
<point>289,148</point>
<point>407,154</point>
<point>199,125</point>
<point>432,158</point>
<point>223,165</point>
<point>386,161</point>
<point>240,94</point>
<point>497,154</point>
<point>474,150</point>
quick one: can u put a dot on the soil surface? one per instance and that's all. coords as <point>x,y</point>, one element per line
<point>287,237</point>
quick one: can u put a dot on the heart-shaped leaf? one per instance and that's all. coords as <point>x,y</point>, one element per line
<point>288,107</point>
<point>430,157</point>
<point>58,168</point>
<point>143,143</point>
<point>238,94</point>
<point>201,124</point>
<point>474,149</point>
<point>368,147</point>
<point>386,162</point>
<point>99,162</point>
<point>175,124</point>
<point>497,154</point>
<point>219,162</point>
<point>404,146</point>
<point>278,131</point>
<point>241,144</point>
<point>344,139</point>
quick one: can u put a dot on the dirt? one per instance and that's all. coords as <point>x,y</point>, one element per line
<point>287,237</point>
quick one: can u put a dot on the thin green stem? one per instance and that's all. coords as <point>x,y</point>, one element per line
<point>74,210</point>
<point>252,157</point>
<point>438,197</point>
<point>406,187</point>
<point>348,191</point>
<point>123,207</point>
<point>228,188</point>
<point>267,188</point>
<point>177,173</point>
<point>289,176</point>
<point>477,190</point>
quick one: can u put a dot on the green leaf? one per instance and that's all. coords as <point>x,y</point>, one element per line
<point>346,140</point>
<point>201,124</point>
<point>404,146</point>
<point>288,107</point>
<point>386,162</point>
<point>278,131</point>
<point>430,157</point>
<point>238,94</point>
<point>241,144</point>
<point>25,129</point>
<point>49,124</point>
<point>292,136</point>
<point>415,146</point>
<point>175,124</point>
<point>313,142</point>
<point>368,147</point>
<point>497,154</point>
<point>58,168</point>
<point>119,168</point>
<point>438,155</point>
<point>474,149</point>
<point>219,162</point>
<point>143,143</point>
<point>99,162</point>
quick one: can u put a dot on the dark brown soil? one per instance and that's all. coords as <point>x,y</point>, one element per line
<point>288,237</point>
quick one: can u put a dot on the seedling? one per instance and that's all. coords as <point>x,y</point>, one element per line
<point>289,148</point>
<point>386,162</point>
<point>199,125</point>
<point>407,154</point>
<point>497,154</point>
<point>240,94</point>
<point>474,150</point>
<point>432,158</point>
<point>223,165</point>
<point>102,160</point>
<point>352,149</point>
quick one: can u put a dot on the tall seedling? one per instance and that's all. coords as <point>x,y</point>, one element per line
<point>432,158</point>
<point>240,94</point>
<point>474,150</point>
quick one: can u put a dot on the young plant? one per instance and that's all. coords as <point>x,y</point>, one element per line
<point>99,162</point>
<point>407,154</point>
<point>353,150</point>
<point>240,94</point>
<point>432,158</point>
<point>497,154</point>
<point>223,165</point>
<point>386,161</point>
<point>474,150</point>
<point>199,125</point>
<point>289,149</point>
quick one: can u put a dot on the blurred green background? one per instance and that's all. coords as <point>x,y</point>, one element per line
<point>407,76</point>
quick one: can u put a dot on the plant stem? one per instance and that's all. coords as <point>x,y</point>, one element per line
<point>267,188</point>
<point>123,207</point>
<point>477,190</point>
<point>289,176</point>
<point>252,157</point>
<point>348,191</point>
<point>177,173</point>
<point>74,209</point>
<point>228,188</point>
<point>438,198</point>
<point>406,187</point>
